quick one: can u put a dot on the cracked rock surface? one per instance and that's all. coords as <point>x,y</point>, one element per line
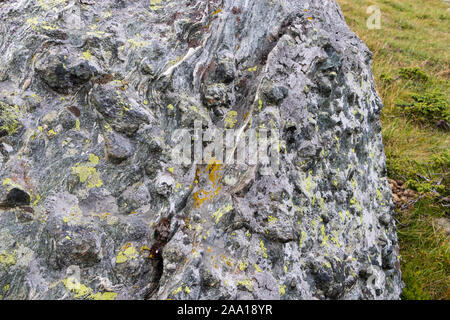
<point>91,94</point>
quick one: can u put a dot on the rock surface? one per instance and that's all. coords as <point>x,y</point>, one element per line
<point>91,93</point>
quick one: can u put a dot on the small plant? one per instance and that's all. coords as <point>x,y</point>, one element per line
<point>430,106</point>
<point>387,78</point>
<point>413,290</point>
<point>413,74</point>
<point>441,159</point>
<point>404,25</point>
<point>424,187</point>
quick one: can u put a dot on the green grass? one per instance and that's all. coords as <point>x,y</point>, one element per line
<point>412,70</point>
<point>426,254</point>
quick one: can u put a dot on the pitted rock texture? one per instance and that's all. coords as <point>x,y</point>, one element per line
<point>91,93</point>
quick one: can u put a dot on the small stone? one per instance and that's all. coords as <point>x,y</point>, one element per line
<point>118,147</point>
<point>63,70</point>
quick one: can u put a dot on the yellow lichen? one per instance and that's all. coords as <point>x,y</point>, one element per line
<point>77,124</point>
<point>213,170</point>
<point>8,259</point>
<point>93,159</point>
<point>136,44</point>
<point>178,290</point>
<point>223,210</point>
<point>155,4</point>
<point>9,116</point>
<point>128,252</point>
<point>231,119</point>
<point>242,265</point>
<point>33,22</point>
<point>282,290</point>
<point>103,296</point>
<point>342,216</point>
<point>87,55</point>
<point>246,283</point>
<point>76,287</point>
<point>272,219</point>
<point>11,184</point>
<point>325,238</point>
<point>88,173</point>
<point>263,249</point>
<point>82,291</point>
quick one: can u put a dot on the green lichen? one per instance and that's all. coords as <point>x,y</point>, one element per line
<point>9,118</point>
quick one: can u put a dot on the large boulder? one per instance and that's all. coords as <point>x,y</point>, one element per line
<point>97,96</point>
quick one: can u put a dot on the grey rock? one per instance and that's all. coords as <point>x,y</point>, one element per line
<point>96,93</point>
<point>63,70</point>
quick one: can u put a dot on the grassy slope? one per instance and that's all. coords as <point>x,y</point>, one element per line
<point>414,34</point>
